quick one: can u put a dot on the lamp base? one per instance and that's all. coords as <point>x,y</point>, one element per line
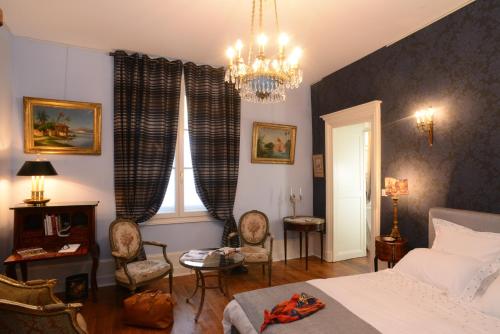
<point>36,202</point>
<point>395,232</point>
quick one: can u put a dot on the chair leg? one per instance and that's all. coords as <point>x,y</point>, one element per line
<point>269,270</point>
<point>170,281</point>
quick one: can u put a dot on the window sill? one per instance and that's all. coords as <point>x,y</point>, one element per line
<point>167,219</point>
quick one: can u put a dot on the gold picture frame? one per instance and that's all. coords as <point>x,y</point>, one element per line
<point>61,127</point>
<point>273,143</point>
<point>318,165</point>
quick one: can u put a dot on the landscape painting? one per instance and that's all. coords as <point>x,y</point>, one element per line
<point>61,127</point>
<point>273,143</point>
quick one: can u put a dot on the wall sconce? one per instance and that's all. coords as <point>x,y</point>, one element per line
<point>425,123</point>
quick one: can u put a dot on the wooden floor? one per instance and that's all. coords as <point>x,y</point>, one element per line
<point>105,316</point>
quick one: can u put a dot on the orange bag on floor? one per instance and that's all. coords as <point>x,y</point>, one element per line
<point>152,308</point>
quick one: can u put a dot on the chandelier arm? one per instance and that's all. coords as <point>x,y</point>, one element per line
<point>252,34</point>
<point>276,16</point>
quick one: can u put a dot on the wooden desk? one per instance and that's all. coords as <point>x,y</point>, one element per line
<point>300,224</point>
<point>29,232</point>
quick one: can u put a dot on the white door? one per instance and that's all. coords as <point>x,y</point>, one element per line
<point>349,199</point>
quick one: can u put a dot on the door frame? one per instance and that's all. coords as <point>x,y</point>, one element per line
<point>367,112</point>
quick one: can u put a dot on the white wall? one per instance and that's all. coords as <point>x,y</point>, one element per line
<point>5,142</point>
<point>43,69</point>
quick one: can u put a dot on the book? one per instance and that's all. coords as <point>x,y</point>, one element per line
<point>69,248</point>
<point>28,252</point>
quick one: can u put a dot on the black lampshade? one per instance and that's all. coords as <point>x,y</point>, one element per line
<point>34,168</point>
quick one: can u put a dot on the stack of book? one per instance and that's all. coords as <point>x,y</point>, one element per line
<point>53,225</point>
<point>29,252</point>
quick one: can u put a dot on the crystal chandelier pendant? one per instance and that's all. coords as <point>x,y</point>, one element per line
<point>264,79</point>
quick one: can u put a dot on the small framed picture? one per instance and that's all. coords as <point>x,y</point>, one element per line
<point>77,287</point>
<point>318,165</point>
<point>273,143</point>
<point>61,127</point>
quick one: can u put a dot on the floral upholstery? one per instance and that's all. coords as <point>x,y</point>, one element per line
<point>253,227</point>
<point>33,320</point>
<point>254,254</point>
<point>125,238</point>
<point>254,232</point>
<point>28,293</point>
<point>143,271</point>
<point>31,307</point>
<point>126,244</point>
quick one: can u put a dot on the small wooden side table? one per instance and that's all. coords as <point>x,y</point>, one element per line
<point>389,251</point>
<point>304,224</point>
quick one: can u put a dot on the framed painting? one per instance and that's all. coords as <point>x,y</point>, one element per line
<point>61,127</point>
<point>273,143</point>
<point>318,166</point>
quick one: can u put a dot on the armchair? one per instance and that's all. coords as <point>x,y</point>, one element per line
<point>32,307</point>
<point>126,244</point>
<point>253,231</point>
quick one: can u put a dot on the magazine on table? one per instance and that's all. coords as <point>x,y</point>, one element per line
<point>196,255</point>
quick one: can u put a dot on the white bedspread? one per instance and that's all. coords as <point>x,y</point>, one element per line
<point>392,303</point>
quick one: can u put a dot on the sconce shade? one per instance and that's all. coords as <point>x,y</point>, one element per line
<point>396,187</point>
<point>36,168</point>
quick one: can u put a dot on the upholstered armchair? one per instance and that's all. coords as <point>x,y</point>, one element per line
<point>253,231</point>
<point>31,307</point>
<point>126,244</point>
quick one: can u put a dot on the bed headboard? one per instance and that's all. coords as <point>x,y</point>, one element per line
<point>478,221</point>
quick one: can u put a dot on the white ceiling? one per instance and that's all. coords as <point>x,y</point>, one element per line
<point>333,33</point>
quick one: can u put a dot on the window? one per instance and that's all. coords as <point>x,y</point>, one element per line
<point>181,202</point>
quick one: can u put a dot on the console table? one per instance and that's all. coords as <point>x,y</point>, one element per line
<point>29,232</point>
<point>304,224</point>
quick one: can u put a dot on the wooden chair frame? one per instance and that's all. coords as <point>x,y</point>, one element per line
<point>51,305</point>
<point>122,261</point>
<point>261,243</point>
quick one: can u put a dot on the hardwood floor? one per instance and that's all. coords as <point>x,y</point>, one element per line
<point>105,315</point>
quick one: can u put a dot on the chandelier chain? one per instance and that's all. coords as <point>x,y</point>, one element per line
<point>252,35</point>
<point>260,18</point>
<point>276,16</point>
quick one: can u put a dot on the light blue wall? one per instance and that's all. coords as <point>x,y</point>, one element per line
<point>5,142</point>
<point>42,69</point>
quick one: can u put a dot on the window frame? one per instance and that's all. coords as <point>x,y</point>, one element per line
<point>180,216</point>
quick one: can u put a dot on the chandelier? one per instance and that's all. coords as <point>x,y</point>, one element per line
<point>262,78</point>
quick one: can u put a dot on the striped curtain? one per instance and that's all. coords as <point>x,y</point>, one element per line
<point>214,131</point>
<point>146,98</point>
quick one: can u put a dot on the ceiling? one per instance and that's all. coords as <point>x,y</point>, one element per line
<point>333,33</point>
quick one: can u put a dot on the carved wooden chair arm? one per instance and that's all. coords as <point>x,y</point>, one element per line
<point>154,243</point>
<point>37,282</point>
<point>164,249</point>
<point>61,307</point>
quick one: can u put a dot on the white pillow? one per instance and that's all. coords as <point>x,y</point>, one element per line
<point>459,276</point>
<point>488,301</point>
<point>460,240</point>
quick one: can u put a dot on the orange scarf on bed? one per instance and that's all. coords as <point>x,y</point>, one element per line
<point>298,307</point>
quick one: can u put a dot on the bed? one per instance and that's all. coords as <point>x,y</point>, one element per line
<point>388,301</point>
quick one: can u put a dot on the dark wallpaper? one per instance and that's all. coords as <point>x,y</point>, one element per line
<point>452,65</point>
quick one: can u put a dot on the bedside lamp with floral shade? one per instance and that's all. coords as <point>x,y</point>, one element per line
<point>395,188</point>
<point>37,170</point>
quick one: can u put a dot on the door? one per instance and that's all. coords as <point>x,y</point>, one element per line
<point>349,197</point>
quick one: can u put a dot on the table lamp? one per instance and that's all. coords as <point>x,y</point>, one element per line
<point>395,188</point>
<point>37,170</point>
